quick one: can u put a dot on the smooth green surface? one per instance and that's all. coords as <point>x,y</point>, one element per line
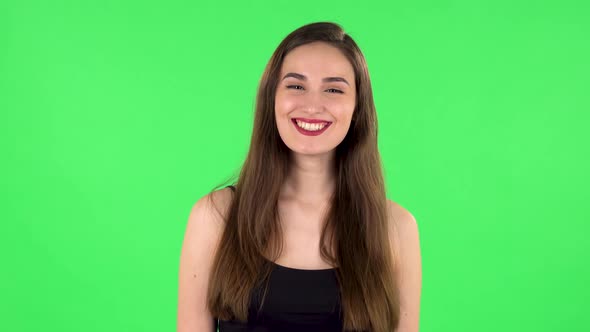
<point>117,116</point>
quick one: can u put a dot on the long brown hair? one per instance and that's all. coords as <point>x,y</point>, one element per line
<point>358,246</point>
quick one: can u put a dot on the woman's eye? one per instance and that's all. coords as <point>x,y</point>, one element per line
<point>299,87</point>
<point>336,90</point>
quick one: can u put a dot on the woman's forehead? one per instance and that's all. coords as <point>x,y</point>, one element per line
<point>317,60</point>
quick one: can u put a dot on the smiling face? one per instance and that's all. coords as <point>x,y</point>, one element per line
<point>315,98</point>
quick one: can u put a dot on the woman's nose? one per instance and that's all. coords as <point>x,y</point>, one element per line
<point>313,101</point>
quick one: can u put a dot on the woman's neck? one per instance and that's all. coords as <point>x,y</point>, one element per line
<point>311,178</point>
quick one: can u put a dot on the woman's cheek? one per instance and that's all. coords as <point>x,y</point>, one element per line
<point>286,104</point>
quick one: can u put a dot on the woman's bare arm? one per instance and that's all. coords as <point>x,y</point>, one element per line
<point>203,231</point>
<point>407,243</point>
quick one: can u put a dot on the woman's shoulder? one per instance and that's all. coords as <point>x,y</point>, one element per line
<point>398,215</point>
<point>402,225</point>
<point>215,205</point>
<point>211,210</point>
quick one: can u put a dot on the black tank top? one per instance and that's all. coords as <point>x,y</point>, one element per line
<point>296,301</point>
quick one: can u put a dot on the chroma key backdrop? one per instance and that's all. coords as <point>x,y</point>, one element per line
<point>117,116</point>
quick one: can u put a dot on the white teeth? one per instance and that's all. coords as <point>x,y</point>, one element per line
<point>310,126</point>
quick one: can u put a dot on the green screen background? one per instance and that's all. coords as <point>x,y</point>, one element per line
<point>116,117</point>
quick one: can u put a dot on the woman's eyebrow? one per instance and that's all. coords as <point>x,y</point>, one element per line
<point>325,79</point>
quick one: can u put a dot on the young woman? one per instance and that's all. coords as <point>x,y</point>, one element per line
<point>306,240</point>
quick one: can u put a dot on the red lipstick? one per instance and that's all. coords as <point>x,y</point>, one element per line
<point>310,132</point>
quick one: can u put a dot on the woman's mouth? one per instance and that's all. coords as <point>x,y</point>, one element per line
<point>314,128</point>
